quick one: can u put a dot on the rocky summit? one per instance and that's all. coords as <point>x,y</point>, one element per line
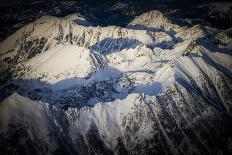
<point>159,85</point>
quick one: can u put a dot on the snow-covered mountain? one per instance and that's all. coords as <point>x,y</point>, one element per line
<point>155,86</point>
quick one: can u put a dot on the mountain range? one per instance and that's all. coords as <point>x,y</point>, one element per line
<point>159,85</point>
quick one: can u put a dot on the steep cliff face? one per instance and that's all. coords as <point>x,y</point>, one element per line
<point>153,87</point>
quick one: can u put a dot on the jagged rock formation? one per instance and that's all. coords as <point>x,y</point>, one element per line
<point>154,87</point>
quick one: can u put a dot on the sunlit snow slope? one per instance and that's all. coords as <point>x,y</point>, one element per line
<point>152,87</point>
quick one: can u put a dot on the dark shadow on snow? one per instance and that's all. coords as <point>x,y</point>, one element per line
<point>110,45</point>
<point>83,22</point>
<point>75,92</point>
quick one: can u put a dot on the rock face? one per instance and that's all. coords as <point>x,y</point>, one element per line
<point>153,87</point>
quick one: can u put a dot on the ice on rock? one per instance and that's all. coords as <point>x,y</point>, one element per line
<point>152,87</point>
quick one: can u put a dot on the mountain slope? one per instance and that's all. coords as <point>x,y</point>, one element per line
<point>155,87</point>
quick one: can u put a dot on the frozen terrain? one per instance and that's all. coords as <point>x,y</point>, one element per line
<point>68,87</point>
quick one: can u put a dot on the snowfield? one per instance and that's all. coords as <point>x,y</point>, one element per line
<point>154,87</point>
